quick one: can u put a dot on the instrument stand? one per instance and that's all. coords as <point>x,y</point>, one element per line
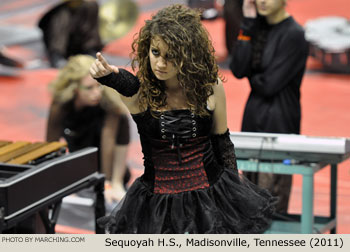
<point>100,208</point>
<point>306,222</point>
<point>2,215</point>
<point>49,217</point>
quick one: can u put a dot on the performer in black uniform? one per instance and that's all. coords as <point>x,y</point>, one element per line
<point>85,114</point>
<point>71,28</point>
<point>191,183</point>
<point>271,52</point>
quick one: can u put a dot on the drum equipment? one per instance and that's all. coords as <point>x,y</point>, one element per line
<point>116,18</point>
<point>329,39</point>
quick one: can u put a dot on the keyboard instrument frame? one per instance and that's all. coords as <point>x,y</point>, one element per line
<point>295,154</point>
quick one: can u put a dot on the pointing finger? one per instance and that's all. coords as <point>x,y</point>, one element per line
<point>103,61</point>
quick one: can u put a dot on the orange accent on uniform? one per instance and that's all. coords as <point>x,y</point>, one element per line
<point>243,37</point>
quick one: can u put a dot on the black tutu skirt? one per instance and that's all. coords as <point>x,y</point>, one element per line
<point>232,205</point>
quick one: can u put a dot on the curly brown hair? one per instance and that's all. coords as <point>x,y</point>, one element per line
<point>190,50</point>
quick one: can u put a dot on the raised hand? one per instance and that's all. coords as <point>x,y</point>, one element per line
<point>101,67</point>
<point>249,9</point>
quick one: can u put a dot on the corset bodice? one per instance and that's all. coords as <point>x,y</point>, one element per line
<point>176,147</point>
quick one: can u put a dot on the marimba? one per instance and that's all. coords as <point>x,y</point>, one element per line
<point>36,176</point>
<point>295,154</point>
<point>23,152</point>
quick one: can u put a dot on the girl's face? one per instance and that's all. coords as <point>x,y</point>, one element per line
<point>161,64</point>
<point>269,7</point>
<point>89,92</point>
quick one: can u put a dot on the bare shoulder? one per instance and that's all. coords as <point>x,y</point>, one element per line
<point>219,91</point>
<point>219,116</point>
<point>218,88</point>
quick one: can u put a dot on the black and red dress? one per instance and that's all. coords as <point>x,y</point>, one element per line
<point>184,189</point>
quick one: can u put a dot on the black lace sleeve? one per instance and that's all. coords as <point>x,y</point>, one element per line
<point>124,82</point>
<point>224,150</point>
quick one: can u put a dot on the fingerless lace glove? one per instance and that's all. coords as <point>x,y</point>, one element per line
<point>224,150</point>
<point>124,82</point>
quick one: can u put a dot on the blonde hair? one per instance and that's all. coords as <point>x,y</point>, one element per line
<point>63,88</point>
